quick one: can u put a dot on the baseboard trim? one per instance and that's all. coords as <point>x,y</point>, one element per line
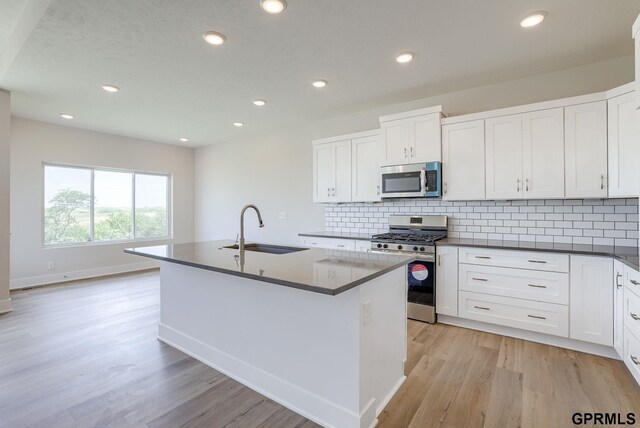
<point>383,403</point>
<point>5,306</point>
<point>561,342</point>
<point>35,281</point>
<point>278,390</point>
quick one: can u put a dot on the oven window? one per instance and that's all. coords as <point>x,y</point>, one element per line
<point>421,281</point>
<point>401,182</point>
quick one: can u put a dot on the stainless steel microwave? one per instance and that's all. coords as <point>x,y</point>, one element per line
<point>418,180</point>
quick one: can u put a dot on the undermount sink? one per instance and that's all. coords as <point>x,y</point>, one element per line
<point>265,248</point>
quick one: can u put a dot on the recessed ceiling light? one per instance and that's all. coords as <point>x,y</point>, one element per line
<point>110,88</point>
<point>259,103</point>
<point>67,116</point>
<point>404,57</point>
<point>533,19</point>
<point>238,124</point>
<point>184,140</point>
<point>273,6</point>
<point>214,38</point>
<point>320,83</point>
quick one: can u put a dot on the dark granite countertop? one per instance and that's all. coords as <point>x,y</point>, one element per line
<point>627,255</point>
<point>313,269</point>
<point>339,235</point>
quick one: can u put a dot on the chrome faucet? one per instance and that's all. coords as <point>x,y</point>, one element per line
<point>241,246</point>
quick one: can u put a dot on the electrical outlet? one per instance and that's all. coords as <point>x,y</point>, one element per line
<point>283,215</point>
<point>51,265</point>
<point>366,312</point>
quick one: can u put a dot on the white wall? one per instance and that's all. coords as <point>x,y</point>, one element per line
<point>5,132</point>
<point>33,143</point>
<point>274,171</point>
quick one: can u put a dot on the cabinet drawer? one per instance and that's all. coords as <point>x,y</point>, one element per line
<point>534,260</point>
<point>551,287</point>
<point>330,243</point>
<point>631,313</point>
<point>632,354</point>
<point>632,279</point>
<point>541,317</point>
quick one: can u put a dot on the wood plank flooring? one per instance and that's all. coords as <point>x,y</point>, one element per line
<point>86,355</point>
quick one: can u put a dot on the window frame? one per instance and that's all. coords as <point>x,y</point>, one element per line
<point>92,241</point>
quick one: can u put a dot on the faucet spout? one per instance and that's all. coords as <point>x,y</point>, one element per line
<point>241,244</point>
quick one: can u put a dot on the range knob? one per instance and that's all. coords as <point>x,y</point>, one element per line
<point>415,248</point>
<point>421,248</point>
<point>379,245</point>
<point>385,246</point>
<point>399,247</point>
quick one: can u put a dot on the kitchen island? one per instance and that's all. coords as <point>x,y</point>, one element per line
<point>322,332</point>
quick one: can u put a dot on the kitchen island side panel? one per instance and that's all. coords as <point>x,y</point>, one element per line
<point>316,354</point>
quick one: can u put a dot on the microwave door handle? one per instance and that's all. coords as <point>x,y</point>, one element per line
<point>423,182</point>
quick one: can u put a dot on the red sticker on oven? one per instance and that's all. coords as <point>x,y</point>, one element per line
<point>419,272</point>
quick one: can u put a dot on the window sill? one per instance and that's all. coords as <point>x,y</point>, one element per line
<point>130,242</point>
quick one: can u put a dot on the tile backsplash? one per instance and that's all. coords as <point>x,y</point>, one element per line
<point>570,221</point>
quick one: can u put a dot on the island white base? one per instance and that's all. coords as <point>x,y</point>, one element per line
<point>328,358</point>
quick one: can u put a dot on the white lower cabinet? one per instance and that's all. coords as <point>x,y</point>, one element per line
<point>591,300</point>
<point>447,281</point>
<point>518,313</point>
<point>631,355</point>
<point>618,307</point>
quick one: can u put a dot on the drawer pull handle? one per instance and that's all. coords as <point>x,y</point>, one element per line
<point>480,279</point>
<point>634,316</point>
<point>634,282</point>
<point>537,317</point>
<point>537,286</point>
<point>483,308</point>
<point>537,261</point>
<point>618,276</point>
<point>340,245</point>
<point>483,257</point>
<point>635,360</point>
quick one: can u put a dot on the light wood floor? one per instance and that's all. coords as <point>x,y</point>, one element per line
<point>86,355</point>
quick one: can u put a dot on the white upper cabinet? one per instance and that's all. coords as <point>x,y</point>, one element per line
<point>636,36</point>
<point>411,137</point>
<point>504,157</point>
<point>585,146</point>
<point>332,172</point>
<point>543,154</point>
<point>365,169</point>
<point>463,161</point>
<point>624,146</point>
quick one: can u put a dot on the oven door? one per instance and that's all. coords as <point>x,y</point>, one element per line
<point>403,181</point>
<point>421,281</point>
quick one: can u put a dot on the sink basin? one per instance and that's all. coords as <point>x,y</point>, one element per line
<point>265,248</point>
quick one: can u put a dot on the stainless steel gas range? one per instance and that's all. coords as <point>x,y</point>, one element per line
<point>416,235</point>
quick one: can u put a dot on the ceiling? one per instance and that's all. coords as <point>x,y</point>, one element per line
<point>174,85</point>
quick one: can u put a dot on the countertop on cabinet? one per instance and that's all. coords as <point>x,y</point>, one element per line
<point>627,255</point>
<point>313,269</point>
<point>339,235</point>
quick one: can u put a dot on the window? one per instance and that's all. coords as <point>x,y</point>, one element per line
<point>95,205</point>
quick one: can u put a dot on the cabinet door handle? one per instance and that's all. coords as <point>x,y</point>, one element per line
<point>329,191</point>
<point>618,276</point>
<point>333,191</point>
<point>405,152</point>
<point>411,150</point>
<point>537,317</point>
<point>634,282</point>
<point>445,187</point>
<point>601,181</point>
<point>483,257</point>
<point>537,261</point>
<point>378,190</point>
<point>635,360</point>
<point>537,286</point>
<point>439,260</point>
<point>634,316</point>
<point>480,279</point>
<point>518,185</point>
<point>482,307</point>
<point>527,184</point>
